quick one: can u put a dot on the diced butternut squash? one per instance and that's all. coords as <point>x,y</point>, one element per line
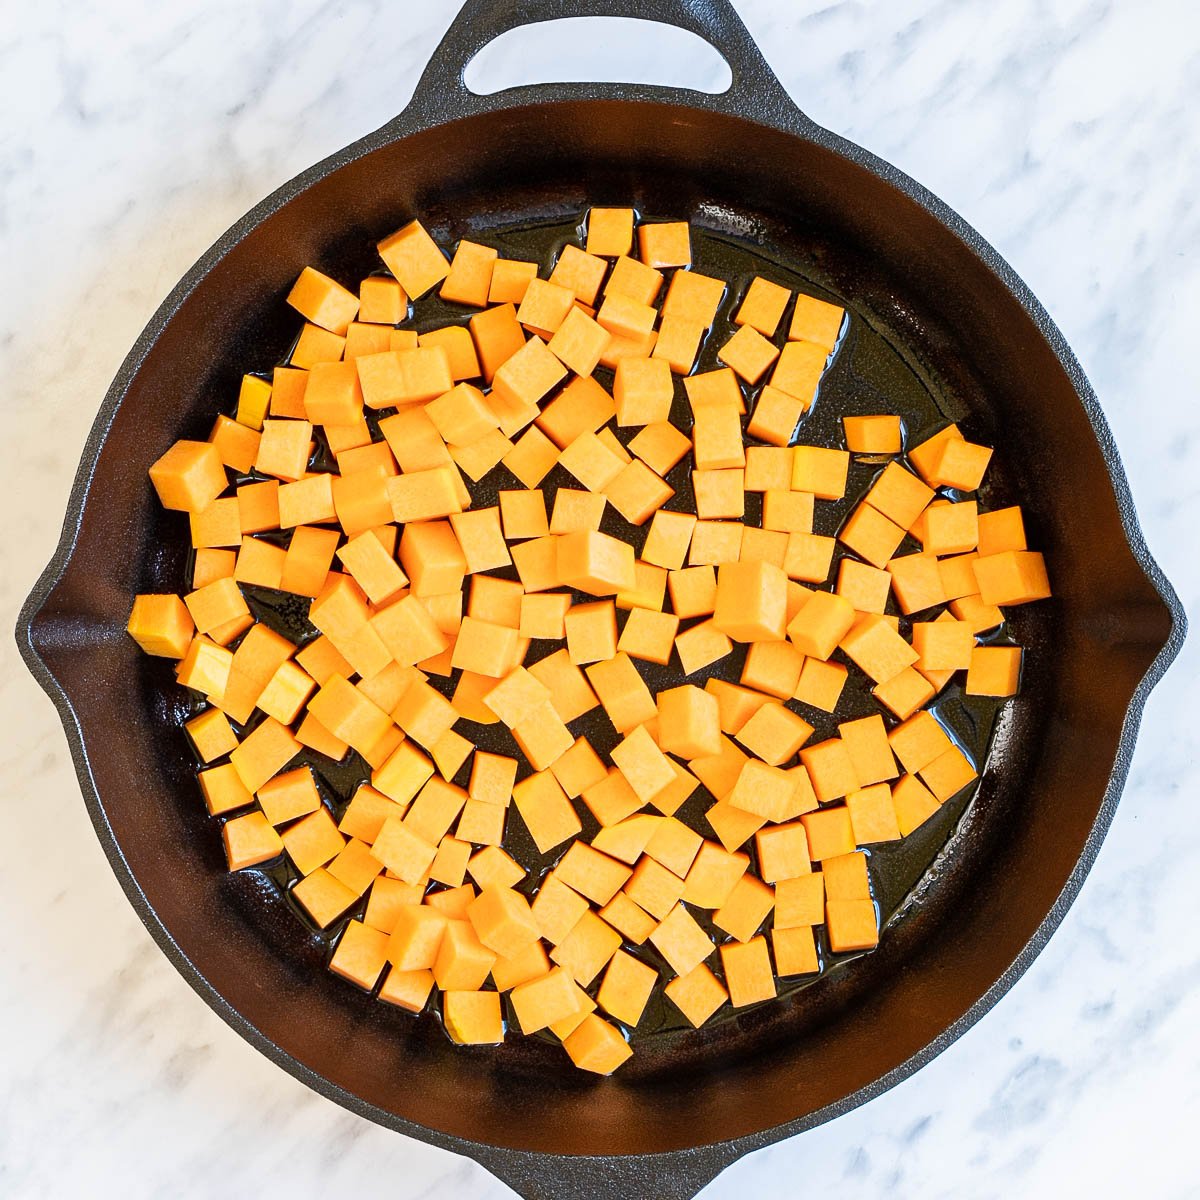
<point>189,476</point>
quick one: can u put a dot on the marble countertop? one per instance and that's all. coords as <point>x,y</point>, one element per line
<point>135,132</point>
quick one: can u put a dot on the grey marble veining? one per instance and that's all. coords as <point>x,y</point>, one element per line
<point>133,133</point>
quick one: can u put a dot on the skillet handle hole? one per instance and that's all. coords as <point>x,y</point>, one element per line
<point>598,50</point>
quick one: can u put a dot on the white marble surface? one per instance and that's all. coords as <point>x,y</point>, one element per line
<point>132,133</point>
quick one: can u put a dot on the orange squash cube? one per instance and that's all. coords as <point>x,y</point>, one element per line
<point>943,645</point>
<point>414,258</point>
<point>546,811</point>
<point>689,722</point>
<point>700,646</point>
<point>918,741</point>
<point>916,582</point>
<point>677,343</point>
<point>236,444</point>
<point>189,476</point>
<point>498,336</point>
<point>867,588</point>
<point>831,769</point>
<point>681,941</point>
<point>782,852</point>
<point>799,369</point>
<point>596,1046</point>
<point>643,764</point>
<point>642,391</point>
<point>1011,577</point>
<point>637,492</point>
<point>594,562</point>
<point>948,528</point>
<point>591,873</point>
<point>255,394</point>
<point>913,802</point>
<point>264,751</point>
<point>284,449</point>
<point>545,306</point>
<point>634,280</point>
<point>713,874</point>
<point>816,320</point>
<point>323,897</point>
<point>874,646</point>
<point>800,901</point>
<point>774,733</point>
<point>763,305</point>
<point>580,271</point>
<point>541,1002</point>
<point>958,464</point>
<point>874,435</point>
<point>776,416</point>
<point>315,345</point>
<point>416,937</point>
<point>407,989</point>
<point>820,684</point>
<point>993,671</point>
<point>851,924</point>
<point>697,995</point>
<point>463,962</point>
<point>609,231</point>
<point>719,494</point>
<point>502,921</point>
<point>250,840</point>
<point>509,281</point>
<point>1000,530</point>
<point>948,774</point>
<point>751,602</point>
<point>531,457</point>
<point>871,535</point>
<point>583,406</point>
<point>532,963</point>
<point>381,300</point>
<point>746,908</point>
<point>820,471</point>
<point>591,632</point>
<point>715,541</point>
<point>586,950</point>
<point>821,625</point>
<point>472,1018</point>
<point>748,974</point>
<point>905,692</point>
<point>749,354</point>
<point>795,951</point>
<point>665,244</point>
<point>161,625</point>
<point>556,909</point>
<point>323,301</point>
<point>694,298</point>
<point>470,276</point>
<point>718,387</point>
<point>360,955</point>
<point>899,495</point>
<point>579,341</point>
<point>872,814</point>
<point>626,987</point>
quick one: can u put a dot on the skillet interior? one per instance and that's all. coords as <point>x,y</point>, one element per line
<point>900,269</point>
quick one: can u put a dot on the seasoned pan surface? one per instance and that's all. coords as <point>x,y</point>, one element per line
<point>942,322</point>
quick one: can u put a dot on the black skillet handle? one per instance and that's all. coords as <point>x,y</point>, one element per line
<point>755,91</point>
<point>672,1176</point>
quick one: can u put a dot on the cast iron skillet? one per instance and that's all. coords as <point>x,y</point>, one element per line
<point>745,163</point>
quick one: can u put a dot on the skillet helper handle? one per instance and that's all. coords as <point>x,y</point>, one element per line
<point>674,1175</point>
<point>755,91</point>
